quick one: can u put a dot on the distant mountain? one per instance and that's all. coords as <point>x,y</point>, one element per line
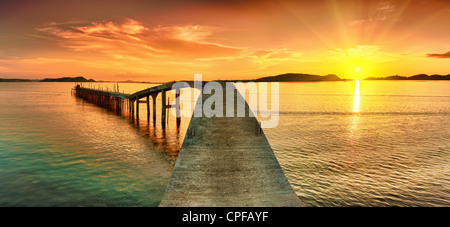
<point>298,77</point>
<point>62,79</point>
<point>415,77</point>
<point>15,80</point>
<point>67,79</point>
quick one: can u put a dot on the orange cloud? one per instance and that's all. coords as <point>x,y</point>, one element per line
<point>445,55</point>
<point>131,38</point>
<point>237,38</point>
<point>130,26</point>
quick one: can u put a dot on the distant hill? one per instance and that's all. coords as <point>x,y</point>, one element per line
<point>15,80</point>
<point>415,77</point>
<point>67,79</point>
<point>298,77</point>
<point>62,79</point>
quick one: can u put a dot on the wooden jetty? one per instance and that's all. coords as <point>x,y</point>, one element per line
<point>223,161</point>
<point>122,102</point>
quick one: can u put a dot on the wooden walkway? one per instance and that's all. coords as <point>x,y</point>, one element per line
<point>223,161</point>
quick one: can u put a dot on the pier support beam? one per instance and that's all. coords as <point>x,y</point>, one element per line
<point>177,106</point>
<point>163,108</point>
<point>118,106</point>
<point>148,108</point>
<point>129,107</point>
<point>132,108</point>
<point>154,95</point>
<point>137,108</point>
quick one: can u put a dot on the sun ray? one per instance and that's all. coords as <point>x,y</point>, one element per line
<point>399,12</point>
<point>298,15</point>
<point>338,16</point>
<point>419,26</point>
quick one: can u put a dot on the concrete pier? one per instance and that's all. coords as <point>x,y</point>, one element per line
<point>225,162</point>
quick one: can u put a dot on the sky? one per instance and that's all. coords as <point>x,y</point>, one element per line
<point>160,41</point>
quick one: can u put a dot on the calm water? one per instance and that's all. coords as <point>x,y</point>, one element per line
<point>374,143</point>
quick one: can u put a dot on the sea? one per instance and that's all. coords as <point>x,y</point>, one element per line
<point>342,143</point>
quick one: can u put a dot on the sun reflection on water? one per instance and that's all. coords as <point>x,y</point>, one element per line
<point>354,127</point>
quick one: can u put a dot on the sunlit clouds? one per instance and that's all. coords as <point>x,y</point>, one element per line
<point>154,41</point>
<point>128,46</point>
<point>445,55</point>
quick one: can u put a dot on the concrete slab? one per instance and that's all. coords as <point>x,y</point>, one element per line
<point>226,162</point>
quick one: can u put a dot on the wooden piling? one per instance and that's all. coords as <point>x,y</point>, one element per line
<point>177,106</point>
<point>129,108</point>
<point>148,108</point>
<point>132,109</point>
<point>168,106</point>
<point>118,106</point>
<point>163,108</point>
<point>137,108</point>
<point>154,95</point>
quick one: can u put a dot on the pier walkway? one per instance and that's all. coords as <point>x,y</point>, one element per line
<point>223,161</point>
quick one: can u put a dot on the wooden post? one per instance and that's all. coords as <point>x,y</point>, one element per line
<point>118,106</point>
<point>129,107</point>
<point>137,108</point>
<point>168,106</point>
<point>177,106</point>
<point>154,106</point>
<point>163,108</point>
<point>148,109</point>
<point>132,109</point>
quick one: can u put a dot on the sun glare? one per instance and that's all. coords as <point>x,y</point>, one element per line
<point>357,69</point>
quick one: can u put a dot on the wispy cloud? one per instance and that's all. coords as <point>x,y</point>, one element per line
<point>133,39</point>
<point>444,55</point>
<point>130,27</point>
<point>100,37</point>
<point>148,49</point>
<point>275,56</point>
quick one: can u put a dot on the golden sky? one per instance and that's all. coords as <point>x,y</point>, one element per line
<point>168,40</point>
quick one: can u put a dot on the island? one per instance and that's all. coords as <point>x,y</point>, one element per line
<point>292,77</point>
<point>62,79</point>
<point>15,80</point>
<point>298,77</point>
<point>67,79</point>
<point>415,77</point>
